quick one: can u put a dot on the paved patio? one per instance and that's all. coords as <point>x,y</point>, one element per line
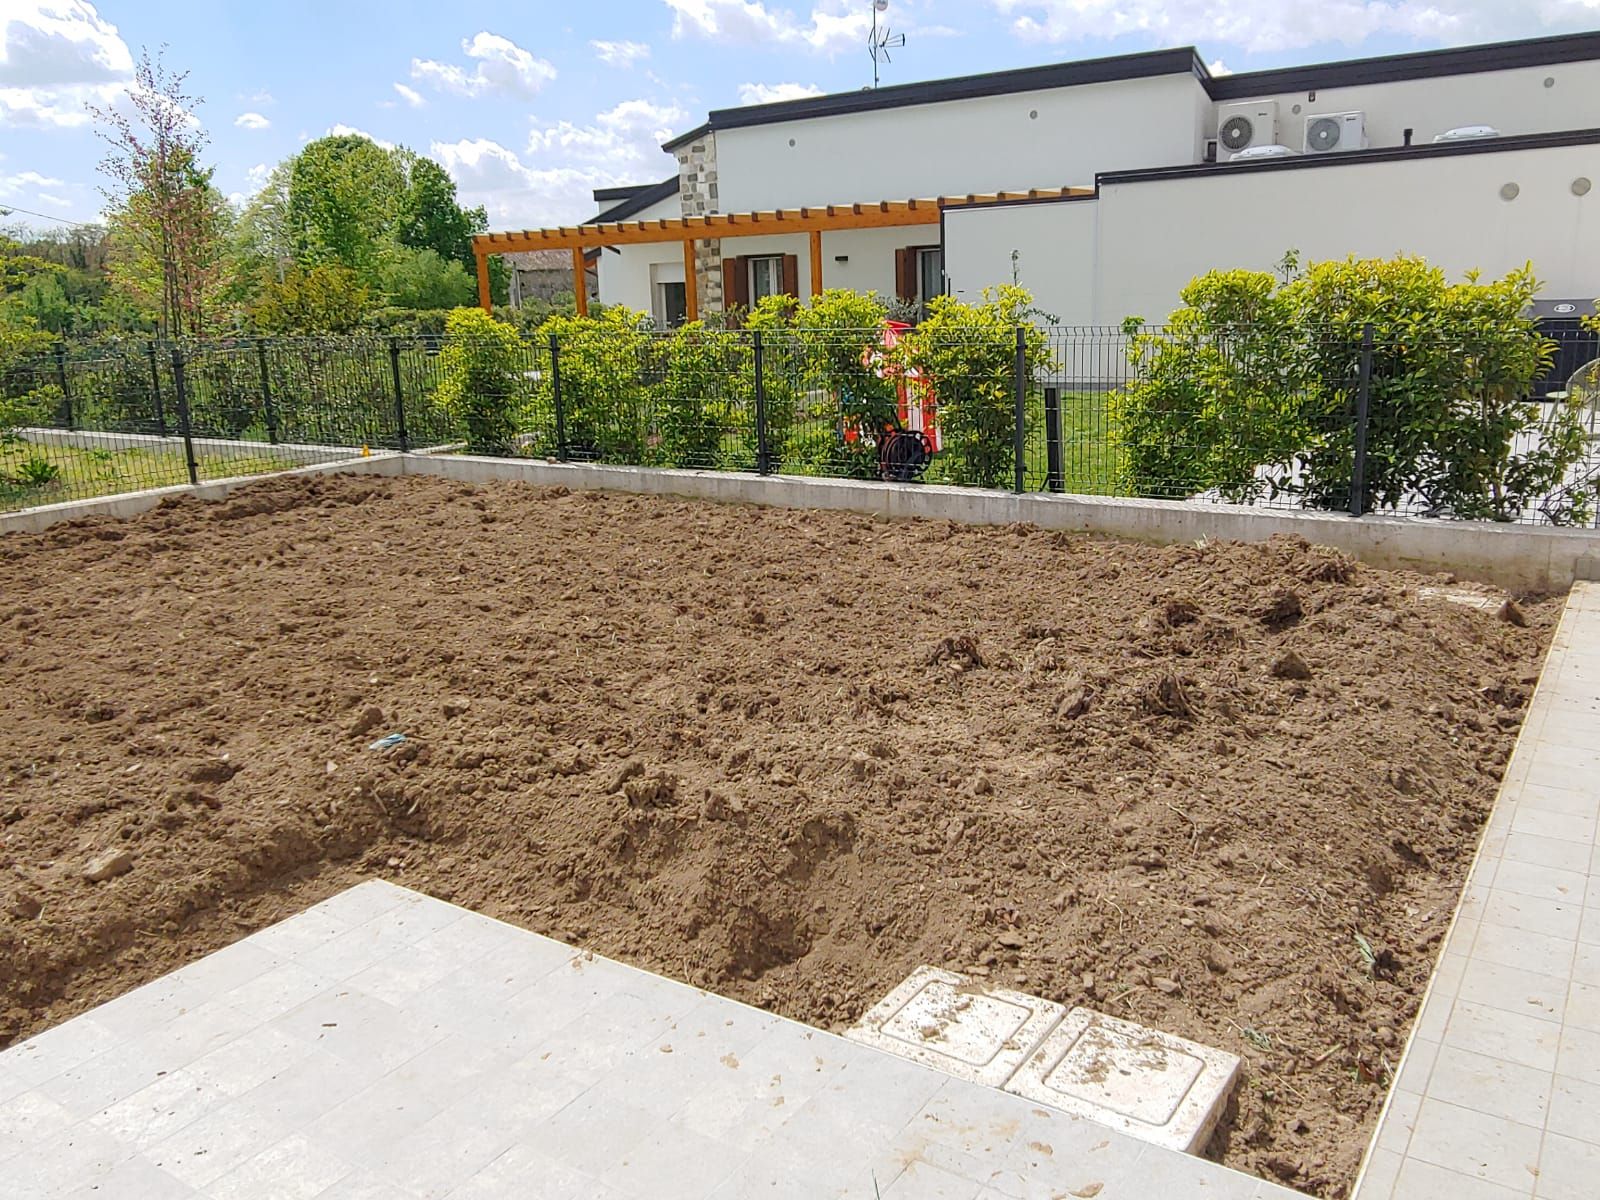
<point>387,1045</point>
<point>1498,1095</point>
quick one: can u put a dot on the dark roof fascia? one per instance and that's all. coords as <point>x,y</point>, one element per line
<point>611,195</point>
<point>641,199</point>
<point>683,139</point>
<point>1398,68</point>
<point>1393,68</point>
<point>1354,158</point>
<point>1145,65</point>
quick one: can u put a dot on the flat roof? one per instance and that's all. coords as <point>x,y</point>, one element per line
<point>1392,68</point>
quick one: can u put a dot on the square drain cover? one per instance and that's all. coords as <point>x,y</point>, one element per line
<point>960,1025</point>
<point>1145,1083</point>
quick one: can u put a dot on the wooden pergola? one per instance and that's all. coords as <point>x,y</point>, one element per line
<point>815,221</point>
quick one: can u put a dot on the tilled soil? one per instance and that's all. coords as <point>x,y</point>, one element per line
<point>1230,791</point>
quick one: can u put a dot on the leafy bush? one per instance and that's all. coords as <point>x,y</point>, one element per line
<point>481,382</point>
<point>967,354</point>
<point>1252,390</point>
<point>321,299</point>
<point>704,395</point>
<point>602,359</point>
<point>37,472</point>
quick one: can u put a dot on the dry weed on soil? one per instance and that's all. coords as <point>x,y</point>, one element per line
<point>785,755</point>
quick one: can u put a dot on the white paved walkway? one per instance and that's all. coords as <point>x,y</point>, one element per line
<point>1498,1095</point>
<point>386,1046</point>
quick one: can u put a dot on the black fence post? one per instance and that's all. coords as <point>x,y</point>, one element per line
<point>1358,473</point>
<point>1057,476</point>
<point>66,394</point>
<point>1019,443</point>
<point>155,392</point>
<point>399,396</point>
<point>555,391</point>
<point>763,461</point>
<point>182,394</point>
<point>266,392</point>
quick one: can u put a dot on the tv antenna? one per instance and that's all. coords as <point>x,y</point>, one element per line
<point>881,41</point>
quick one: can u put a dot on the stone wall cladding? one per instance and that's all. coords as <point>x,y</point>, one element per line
<point>697,194</point>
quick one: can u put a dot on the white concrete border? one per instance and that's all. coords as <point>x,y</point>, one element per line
<point>85,439</point>
<point>1519,557</point>
<point>130,504</point>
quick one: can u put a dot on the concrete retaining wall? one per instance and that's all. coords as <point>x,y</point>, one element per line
<point>1518,557</point>
<point>130,504</point>
<point>83,439</point>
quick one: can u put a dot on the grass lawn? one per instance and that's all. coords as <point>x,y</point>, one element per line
<point>83,473</point>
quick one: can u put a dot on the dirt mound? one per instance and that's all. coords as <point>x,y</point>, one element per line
<point>784,755</point>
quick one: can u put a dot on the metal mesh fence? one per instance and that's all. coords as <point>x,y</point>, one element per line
<point>1292,419</point>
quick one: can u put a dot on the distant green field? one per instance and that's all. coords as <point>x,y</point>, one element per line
<point>81,474</point>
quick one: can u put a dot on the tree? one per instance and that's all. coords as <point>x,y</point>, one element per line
<point>430,218</point>
<point>168,220</point>
<point>344,198</point>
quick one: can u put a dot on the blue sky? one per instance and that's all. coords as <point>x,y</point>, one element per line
<point>533,105</point>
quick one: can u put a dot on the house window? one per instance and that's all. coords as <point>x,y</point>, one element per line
<point>672,304</point>
<point>930,275</point>
<point>766,278</point>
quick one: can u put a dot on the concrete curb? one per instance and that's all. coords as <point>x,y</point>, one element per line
<point>1518,557</point>
<point>1527,558</point>
<point>131,504</point>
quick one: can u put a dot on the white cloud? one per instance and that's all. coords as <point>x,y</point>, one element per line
<point>620,54</point>
<point>516,195</point>
<point>343,130</point>
<point>26,181</point>
<point>624,137</point>
<point>502,67</point>
<point>410,95</point>
<point>771,93</point>
<point>1293,24</point>
<point>1218,68</point>
<point>829,28</point>
<point>251,120</point>
<point>257,176</point>
<point>54,58</point>
<point>553,180</point>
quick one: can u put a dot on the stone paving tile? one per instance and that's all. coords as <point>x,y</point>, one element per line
<point>385,1045</point>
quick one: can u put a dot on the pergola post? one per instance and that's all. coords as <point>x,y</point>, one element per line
<point>483,281</point>
<point>816,263</point>
<point>691,284</point>
<point>580,281</point>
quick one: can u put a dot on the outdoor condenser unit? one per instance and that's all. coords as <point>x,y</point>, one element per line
<point>1245,126</point>
<point>1332,133</point>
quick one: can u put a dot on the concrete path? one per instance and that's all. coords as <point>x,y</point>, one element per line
<point>1498,1095</point>
<point>387,1046</point>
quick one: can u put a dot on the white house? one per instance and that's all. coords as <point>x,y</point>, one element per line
<point>1105,185</point>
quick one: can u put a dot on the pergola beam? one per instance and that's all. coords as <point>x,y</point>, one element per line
<point>815,221</point>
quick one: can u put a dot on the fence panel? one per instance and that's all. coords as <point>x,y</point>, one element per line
<point>1262,416</point>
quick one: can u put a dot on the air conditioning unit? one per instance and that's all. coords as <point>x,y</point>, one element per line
<point>1243,126</point>
<point>1332,133</point>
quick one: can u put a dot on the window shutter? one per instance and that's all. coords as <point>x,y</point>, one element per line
<point>735,283</point>
<point>905,274</point>
<point>791,275</point>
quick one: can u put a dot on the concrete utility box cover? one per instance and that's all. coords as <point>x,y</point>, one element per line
<point>960,1025</point>
<point>1141,1081</point>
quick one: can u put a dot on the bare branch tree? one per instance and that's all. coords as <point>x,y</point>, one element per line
<point>167,220</point>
